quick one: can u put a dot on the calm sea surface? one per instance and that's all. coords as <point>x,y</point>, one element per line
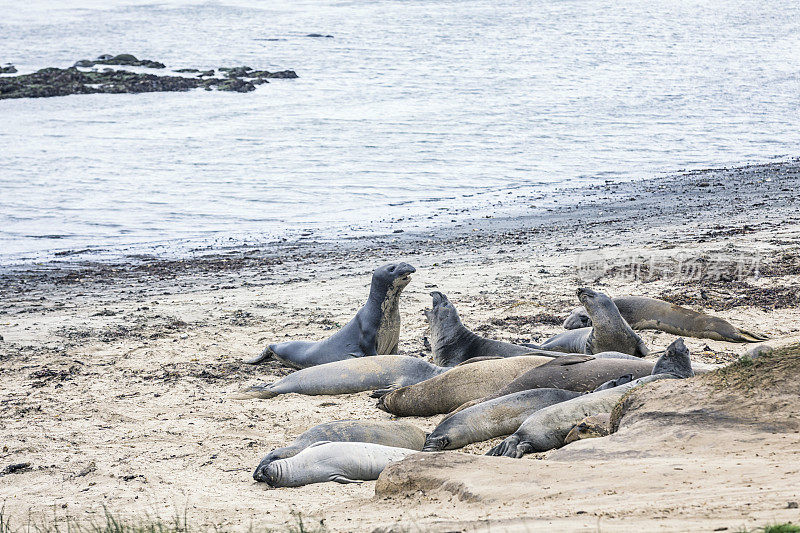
<point>411,106</point>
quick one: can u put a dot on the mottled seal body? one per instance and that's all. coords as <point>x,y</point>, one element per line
<point>452,343</point>
<point>547,428</point>
<point>641,312</point>
<point>609,330</point>
<point>447,391</point>
<point>350,376</point>
<point>375,330</point>
<point>494,418</point>
<point>386,432</point>
<point>342,462</point>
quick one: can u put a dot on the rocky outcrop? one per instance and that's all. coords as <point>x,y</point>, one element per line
<point>61,82</point>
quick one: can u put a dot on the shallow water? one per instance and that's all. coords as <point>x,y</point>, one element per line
<point>412,106</point>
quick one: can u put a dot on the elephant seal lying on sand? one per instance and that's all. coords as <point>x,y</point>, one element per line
<point>579,373</point>
<point>609,331</point>
<point>349,376</point>
<point>641,312</point>
<point>484,421</point>
<point>460,384</point>
<point>342,462</point>
<point>452,343</point>
<point>547,428</point>
<point>387,432</point>
<point>375,330</point>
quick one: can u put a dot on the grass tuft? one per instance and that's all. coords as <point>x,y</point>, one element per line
<point>111,523</point>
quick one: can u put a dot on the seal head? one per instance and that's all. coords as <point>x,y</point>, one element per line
<point>675,361</point>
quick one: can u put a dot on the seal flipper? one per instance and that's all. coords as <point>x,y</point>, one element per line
<point>256,391</point>
<point>342,479</point>
<point>265,354</point>
<point>750,336</point>
<point>380,393</point>
<point>566,360</point>
<point>510,443</point>
<point>435,444</point>
<point>523,448</point>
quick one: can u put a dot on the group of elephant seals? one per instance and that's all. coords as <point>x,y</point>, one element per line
<point>389,433</point>
<point>342,462</point>
<point>452,343</point>
<point>349,376</point>
<point>443,393</point>
<point>547,428</point>
<point>375,330</point>
<point>494,418</point>
<point>641,312</point>
<point>609,330</point>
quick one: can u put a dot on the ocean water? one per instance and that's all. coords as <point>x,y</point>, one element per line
<point>412,107</point>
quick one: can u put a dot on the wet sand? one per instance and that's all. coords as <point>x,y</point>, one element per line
<point>117,375</point>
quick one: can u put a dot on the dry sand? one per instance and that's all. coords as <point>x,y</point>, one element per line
<point>116,377</point>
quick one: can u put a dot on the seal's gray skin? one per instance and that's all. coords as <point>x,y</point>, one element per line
<point>579,373</point>
<point>641,312</point>
<point>609,331</point>
<point>342,462</point>
<point>627,378</point>
<point>452,343</point>
<point>460,384</point>
<point>386,432</point>
<point>349,376</point>
<point>374,330</point>
<point>590,427</point>
<point>547,428</point>
<point>676,361</point>
<point>494,418</point>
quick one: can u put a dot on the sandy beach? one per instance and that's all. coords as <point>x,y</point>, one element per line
<point>117,375</point>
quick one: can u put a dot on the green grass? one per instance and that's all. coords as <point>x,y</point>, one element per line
<point>786,527</point>
<point>111,523</point>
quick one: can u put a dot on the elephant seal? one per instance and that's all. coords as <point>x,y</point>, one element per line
<point>627,378</point>
<point>375,330</point>
<point>547,428</point>
<point>349,376</point>
<point>501,416</point>
<point>609,331</point>
<point>590,427</point>
<point>387,432</point>
<point>342,462</point>
<point>460,384</point>
<point>641,312</point>
<point>452,343</point>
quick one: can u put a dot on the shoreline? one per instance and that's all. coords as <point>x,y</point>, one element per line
<point>117,377</point>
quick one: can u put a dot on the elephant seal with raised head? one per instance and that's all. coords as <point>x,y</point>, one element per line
<point>349,376</point>
<point>609,331</point>
<point>452,343</point>
<point>547,428</point>
<point>460,384</point>
<point>342,462</point>
<point>387,432</point>
<point>375,330</point>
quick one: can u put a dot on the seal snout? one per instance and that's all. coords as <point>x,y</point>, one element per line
<point>439,299</point>
<point>585,292</point>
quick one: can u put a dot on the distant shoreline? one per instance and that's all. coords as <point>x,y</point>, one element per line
<point>726,196</point>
